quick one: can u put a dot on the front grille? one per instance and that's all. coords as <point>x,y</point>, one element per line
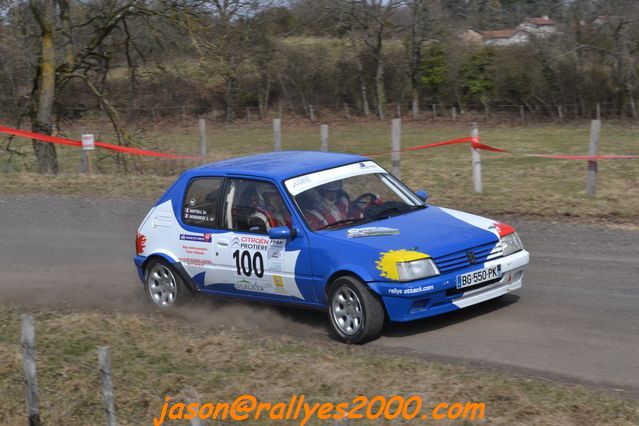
<point>458,260</point>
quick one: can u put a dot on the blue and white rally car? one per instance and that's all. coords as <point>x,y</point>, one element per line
<point>322,230</point>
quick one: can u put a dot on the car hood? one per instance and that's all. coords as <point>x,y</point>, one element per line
<point>433,230</point>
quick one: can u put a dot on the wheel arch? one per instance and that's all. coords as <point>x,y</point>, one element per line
<point>176,264</point>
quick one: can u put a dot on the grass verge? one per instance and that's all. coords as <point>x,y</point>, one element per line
<point>154,356</point>
<point>513,185</point>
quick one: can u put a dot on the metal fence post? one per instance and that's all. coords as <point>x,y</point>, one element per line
<point>30,374</point>
<point>324,137</point>
<point>396,137</point>
<point>593,149</point>
<point>476,158</point>
<point>277,134</point>
<point>107,386</point>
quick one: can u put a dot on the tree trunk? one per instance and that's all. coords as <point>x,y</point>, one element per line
<point>229,97</point>
<point>362,87</point>
<point>379,87</point>
<point>45,153</point>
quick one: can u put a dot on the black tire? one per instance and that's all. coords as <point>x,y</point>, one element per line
<point>156,286</point>
<point>371,311</point>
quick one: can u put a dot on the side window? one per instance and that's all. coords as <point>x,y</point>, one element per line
<point>201,201</point>
<point>254,206</point>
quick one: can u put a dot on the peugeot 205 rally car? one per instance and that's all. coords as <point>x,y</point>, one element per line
<point>322,230</point>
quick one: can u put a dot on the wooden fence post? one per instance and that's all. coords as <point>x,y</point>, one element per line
<point>476,159</point>
<point>324,137</point>
<point>593,149</point>
<point>107,386</point>
<point>30,374</point>
<point>201,125</point>
<point>560,113</point>
<point>522,113</point>
<point>453,112</point>
<point>396,137</point>
<point>277,134</point>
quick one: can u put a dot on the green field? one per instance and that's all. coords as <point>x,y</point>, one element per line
<point>513,185</point>
<point>154,356</point>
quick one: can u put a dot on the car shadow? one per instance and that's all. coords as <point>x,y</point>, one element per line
<point>317,323</point>
<point>425,325</point>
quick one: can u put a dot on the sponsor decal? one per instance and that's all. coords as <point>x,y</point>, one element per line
<point>502,229</point>
<point>371,231</point>
<point>275,249</point>
<point>259,287</point>
<point>204,238</point>
<point>195,250</point>
<point>387,263</point>
<point>192,201</point>
<point>413,290</point>
<point>300,180</point>
<point>195,262</point>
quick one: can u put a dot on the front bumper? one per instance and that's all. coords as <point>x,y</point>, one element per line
<point>437,295</point>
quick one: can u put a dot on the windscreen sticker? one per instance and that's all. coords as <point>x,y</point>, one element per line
<point>302,183</point>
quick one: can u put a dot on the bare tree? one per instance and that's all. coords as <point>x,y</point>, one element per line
<point>70,38</point>
<point>370,23</point>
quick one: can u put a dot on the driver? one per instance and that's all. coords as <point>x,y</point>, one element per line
<point>333,204</point>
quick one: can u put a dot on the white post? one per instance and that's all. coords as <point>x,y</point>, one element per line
<point>347,113</point>
<point>560,113</point>
<point>277,134</point>
<point>453,112</point>
<point>201,125</point>
<point>522,113</point>
<point>30,374</point>
<point>311,112</point>
<point>598,111</point>
<point>324,137</point>
<point>476,158</point>
<point>434,110</point>
<point>107,386</point>
<point>593,149</point>
<point>396,137</point>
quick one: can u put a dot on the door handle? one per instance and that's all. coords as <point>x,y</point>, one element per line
<point>222,242</point>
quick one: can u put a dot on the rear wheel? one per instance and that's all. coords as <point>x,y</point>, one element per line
<point>163,286</point>
<point>355,314</point>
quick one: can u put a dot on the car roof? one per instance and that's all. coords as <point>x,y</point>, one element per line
<point>278,165</point>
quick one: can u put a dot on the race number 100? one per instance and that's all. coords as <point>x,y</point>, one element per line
<point>247,264</point>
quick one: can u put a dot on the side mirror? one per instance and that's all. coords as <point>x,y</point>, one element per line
<point>282,233</point>
<point>422,194</point>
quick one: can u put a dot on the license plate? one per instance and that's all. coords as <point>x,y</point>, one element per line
<point>478,277</point>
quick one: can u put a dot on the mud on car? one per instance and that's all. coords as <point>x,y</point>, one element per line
<point>328,231</point>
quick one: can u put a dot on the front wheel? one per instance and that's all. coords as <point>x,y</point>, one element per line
<point>163,286</point>
<point>355,314</point>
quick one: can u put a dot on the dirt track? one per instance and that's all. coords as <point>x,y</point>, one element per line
<point>576,317</point>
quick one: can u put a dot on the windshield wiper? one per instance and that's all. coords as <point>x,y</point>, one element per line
<point>339,222</point>
<point>395,209</point>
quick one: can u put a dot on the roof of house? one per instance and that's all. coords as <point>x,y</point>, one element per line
<point>499,33</point>
<point>279,164</point>
<point>540,21</point>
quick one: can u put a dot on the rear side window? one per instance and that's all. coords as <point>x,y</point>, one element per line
<point>201,201</point>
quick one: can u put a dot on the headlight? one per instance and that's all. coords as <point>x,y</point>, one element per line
<point>511,243</point>
<point>416,269</point>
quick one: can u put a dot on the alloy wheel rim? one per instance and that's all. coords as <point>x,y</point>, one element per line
<point>347,311</point>
<point>162,286</point>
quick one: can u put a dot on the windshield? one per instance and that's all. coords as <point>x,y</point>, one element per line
<point>350,195</point>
